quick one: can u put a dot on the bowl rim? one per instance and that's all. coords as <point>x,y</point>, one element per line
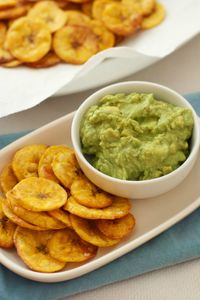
<point>93,99</point>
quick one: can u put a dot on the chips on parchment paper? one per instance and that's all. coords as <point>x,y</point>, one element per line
<point>43,33</point>
<point>53,214</point>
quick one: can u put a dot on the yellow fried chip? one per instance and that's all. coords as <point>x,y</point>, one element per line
<point>119,208</point>
<point>65,245</point>
<point>5,56</point>
<point>16,220</point>
<point>7,229</point>
<point>87,8</point>
<point>7,3</point>
<point>87,194</point>
<point>118,228</point>
<point>145,7</point>
<point>28,40</point>
<point>45,163</point>
<point>106,39</point>
<point>3,30</point>
<point>32,247</point>
<point>50,13</point>
<point>66,167</point>
<point>62,216</point>
<point>49,60</point>
<point>75,44</point>
<point>41,219</point>
<point>12,64</point>
<point>7,179</point>
<point>121,19</point>
<point>14,12</point>
<point>25,161</point>
<point>78,1</point>
<point>38,194</point>
<point>155,18</point>
<point>89,232</point>
<point>99,6</point>
<point>74,17</point>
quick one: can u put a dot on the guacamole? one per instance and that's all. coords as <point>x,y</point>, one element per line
<point>135,136</point>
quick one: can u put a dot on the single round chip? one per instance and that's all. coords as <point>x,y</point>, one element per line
<point>118,228</point>
<point>65,245</point>
<point>89,232</point>
<point>38,194</point>
<point>50,13</point>
<point>62,216</point>
<point>45,163</point>
<point>74,17</point>
<point>145,7</point>
<point>7,179</point>
<point>106,39</point>
<point>7,229</point>
<point>121,19</point>
<point>75,44</point>
<point>66,167</point>
<point>32,247</point>
<point>119,208</point>
<point>16,220</point>
<point>3,30</point>
<point>88,194</point>
<point>12,64</point>
<point>155,18</point>
<point>49,60</point>
<point>14,12</point>
<point>98,7</point>
<point>7,3</point>
<point>28,40</point>
<point>41,219</point>
<point>25,161</point>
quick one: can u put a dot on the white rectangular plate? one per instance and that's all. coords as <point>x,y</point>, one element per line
<point>153,216</point>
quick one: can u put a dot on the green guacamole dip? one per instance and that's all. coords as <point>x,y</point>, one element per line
<point>135,136</point>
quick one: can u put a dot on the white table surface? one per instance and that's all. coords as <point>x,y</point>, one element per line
<point>179,71</point>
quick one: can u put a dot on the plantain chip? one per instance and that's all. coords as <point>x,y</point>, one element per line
<point>7,229</point>
<point>155,18</point>
<point>61,215</point>
<point>90,233</point>
<point>65,245</point>
<point>7,179</point>
<point>32,247</point>
<point>120,207</point>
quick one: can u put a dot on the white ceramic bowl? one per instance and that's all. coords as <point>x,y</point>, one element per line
<point>145,188</point>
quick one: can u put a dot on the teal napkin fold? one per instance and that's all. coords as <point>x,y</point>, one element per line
<point>178,244</point>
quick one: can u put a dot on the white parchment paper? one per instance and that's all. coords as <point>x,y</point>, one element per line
<point>23,88</point>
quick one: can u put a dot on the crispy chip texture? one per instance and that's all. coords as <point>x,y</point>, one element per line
<point>106,39</point>
<point>32,247</point>
<point>38,194</point>
<point>145,7</point>
<point>25,161</point>
<point>119,208</point>
<point>118,228</point>
<point>87,194</point>
<point>5,56</point>
<point>99,6</point>
<point>75,44</point>
<point>7,3</point>
<point>62,216</point>
<point>45,164</point>
<point>89,232</point>
<point>28,40</point>
<point>41,219</point>
<point>12,64</point>
<point>65,167</point>
<point>155,18</point>
<point>49,60</point>
<point>50,13</point>
<point>121,19</point>
<point>3,30</point>
<point>7,229</point>
<point>74,17</point>
<point>11,13</point>
<point>7,179</point>
<point>87,8</point>
<point>15,219</point>
<point>65,245</point>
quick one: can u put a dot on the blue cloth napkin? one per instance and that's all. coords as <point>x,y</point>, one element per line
<point>176,245</point>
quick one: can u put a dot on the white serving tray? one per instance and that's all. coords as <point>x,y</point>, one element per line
<point>153,216</point>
